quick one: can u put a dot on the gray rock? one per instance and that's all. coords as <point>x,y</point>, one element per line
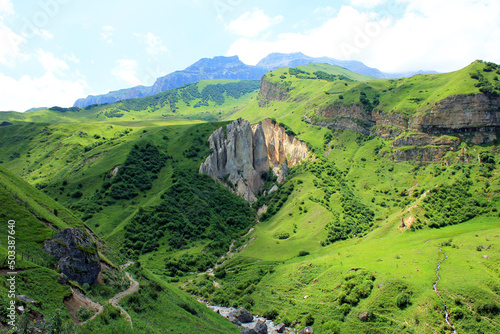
<point>77,255</point>
<point>241,155</point>
<point>26,299</point>
<point>260,327</point>
<point>233,320</point>
<point>242,315</point>
<point>63,279</point>
<point>248,331</point>
<point>280,328</point>
<point>307,330</point>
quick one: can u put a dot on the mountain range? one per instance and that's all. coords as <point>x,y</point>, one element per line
<point>232,68</point>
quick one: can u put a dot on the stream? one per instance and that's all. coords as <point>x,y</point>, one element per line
<point>446,311</point>
<point>272,328</point>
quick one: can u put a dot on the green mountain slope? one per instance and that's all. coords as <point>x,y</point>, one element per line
<point>289,270</point>
<point>350,235</point>
<point>156,307</point>
<point>205,100</point>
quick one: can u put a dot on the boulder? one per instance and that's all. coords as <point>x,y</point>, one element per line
<point>280,328</point>
<point>248,331</point>
<point>26,299</point>
<point>233,320</point>
<point>364,316</point>
<point>243,315</point>
<point>77,255</point>
<point>63,279</point>
<point>307,330</point>
<point>260,327</point>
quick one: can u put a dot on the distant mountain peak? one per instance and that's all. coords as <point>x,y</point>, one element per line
<point>231,67</point>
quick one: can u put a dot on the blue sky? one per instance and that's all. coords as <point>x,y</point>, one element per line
<point>55,51</point>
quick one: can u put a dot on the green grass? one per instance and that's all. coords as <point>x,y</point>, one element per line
<point>172,106</point>
<point>284,269</point>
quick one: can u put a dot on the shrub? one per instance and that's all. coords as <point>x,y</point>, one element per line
<point>303,253</point>
<point>83,314</point>
<point>403,300</point>
<point>308,320</point>
<point>488,308</point>
<point>270,314</point>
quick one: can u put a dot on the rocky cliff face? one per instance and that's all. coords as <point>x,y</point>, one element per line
<point>77,255</point>
<point>272,91</point>
<point>470,118</point>
<point>459,113</point>
<point>423,148</point>
<point>242,153</point>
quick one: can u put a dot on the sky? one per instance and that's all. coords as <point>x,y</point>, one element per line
<point>53,52</point>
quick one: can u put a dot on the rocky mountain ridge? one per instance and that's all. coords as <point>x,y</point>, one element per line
<point>243,153</point>
<point>204,69</point>
<point>230,68</point>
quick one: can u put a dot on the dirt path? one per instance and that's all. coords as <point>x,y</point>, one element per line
<point>78,299</point>
<point>134,287</point>
<point>447,317</point>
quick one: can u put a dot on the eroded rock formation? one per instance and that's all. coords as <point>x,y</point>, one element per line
<point>243,153</point>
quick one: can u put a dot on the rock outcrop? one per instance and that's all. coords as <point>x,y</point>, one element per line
<point>243,153</point>
<point>459,113</point>
<point>473,118</point>
<point>77,255</point>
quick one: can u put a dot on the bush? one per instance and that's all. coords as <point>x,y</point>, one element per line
<point>303,253</point>
<point>270,314</point>
<point>308,320</point>
<point>403,300</point>
<point>283,235</point>
<point>488,308</point>
<point>83,314</point>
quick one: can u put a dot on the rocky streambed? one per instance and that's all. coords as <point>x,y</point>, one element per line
<point>253,324</point>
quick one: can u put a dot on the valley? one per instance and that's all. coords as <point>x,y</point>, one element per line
<point>316,197</point>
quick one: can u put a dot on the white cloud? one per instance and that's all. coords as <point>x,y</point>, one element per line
<point>428,34</point>
<point>107,33</point>
<point>154,44</point>
<point>251,24</point>
<point>327,11</point>
<point>72,58</point>
<point>44,91</point>
<point>6,8</point>
<point>322,41</point>
<point>126,70</point>
<point>51,63</point>
<point>367,3</point>
<point>10,45</point>
<point>45,34</point>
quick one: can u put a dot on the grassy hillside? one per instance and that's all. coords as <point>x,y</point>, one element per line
<point>290,271</point>
<point>306,94</point>
<point>156,307</point>
<point>350,233</point>
<point>202,101</point>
